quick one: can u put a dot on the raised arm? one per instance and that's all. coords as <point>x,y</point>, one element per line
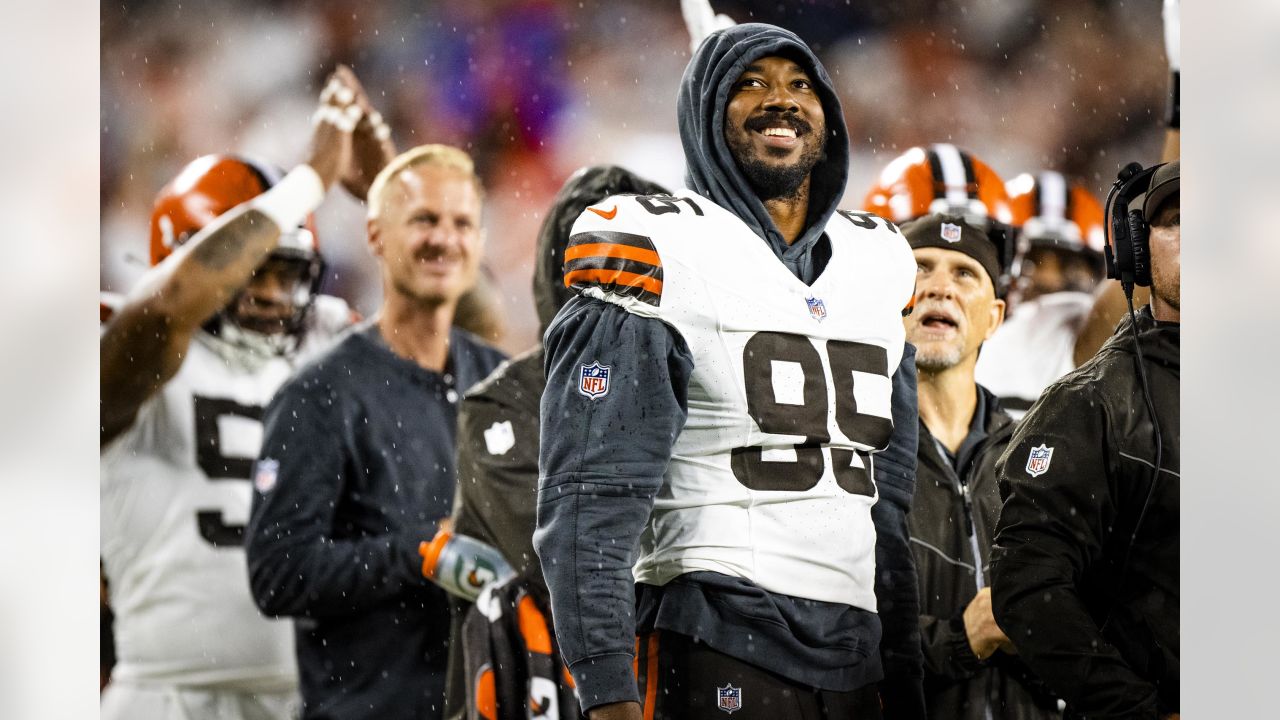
<point>144,345</point>
<point>371,144</point>
<point>1173,51</point>
<point>701,21</point>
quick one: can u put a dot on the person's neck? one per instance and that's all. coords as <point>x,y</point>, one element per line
<point>789,213</point>
<point>1163,311</point>
<point>948,400</point>
<point>415,330</point>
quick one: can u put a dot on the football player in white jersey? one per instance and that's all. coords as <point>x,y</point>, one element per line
<point>1060,240</point>
<point>729,420</point>
<point>187,364</point>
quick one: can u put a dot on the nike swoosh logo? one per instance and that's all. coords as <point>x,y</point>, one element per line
<point>607,215</point>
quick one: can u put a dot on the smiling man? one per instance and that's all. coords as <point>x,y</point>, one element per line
<point>729,421</point>
<point>357,461</point>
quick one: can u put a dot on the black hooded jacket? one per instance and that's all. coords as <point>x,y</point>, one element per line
<point>711,169</point>
<point>1091,610</point>
<point>587,528</point>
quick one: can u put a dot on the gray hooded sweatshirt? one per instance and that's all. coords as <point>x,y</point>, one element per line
<point>601,470</point>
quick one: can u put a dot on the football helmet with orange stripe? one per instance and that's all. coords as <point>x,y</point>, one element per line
<point>1060,233</point>
<point>942,178</point>
<point>213,184</point>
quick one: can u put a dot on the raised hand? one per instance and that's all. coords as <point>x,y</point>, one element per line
<point>372,147</point>
<point>702,20</point>
<point>333,126</point>
<point>1173,34</point>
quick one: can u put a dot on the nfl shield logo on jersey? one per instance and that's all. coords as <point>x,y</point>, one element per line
<point>950,232</point>
<point>729,698</point>
<point>265,472</point>
<point>593,380</point>
<point>1038,462</point>
<point>817,308</point>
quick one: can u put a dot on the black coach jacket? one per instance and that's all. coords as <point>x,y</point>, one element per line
<point>1091,609</point>
<point>952,524</point>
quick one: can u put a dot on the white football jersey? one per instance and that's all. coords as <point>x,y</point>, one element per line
<point>1033,348</point>
<point>175,499</point>
<point>771,478</point>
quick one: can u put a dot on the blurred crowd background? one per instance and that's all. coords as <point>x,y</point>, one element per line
<point>534,89</point>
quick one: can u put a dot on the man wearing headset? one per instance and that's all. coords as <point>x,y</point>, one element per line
<point>1085,563</point>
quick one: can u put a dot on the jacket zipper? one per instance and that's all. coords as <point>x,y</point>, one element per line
<point>979,579</point>
<point>969,527</point>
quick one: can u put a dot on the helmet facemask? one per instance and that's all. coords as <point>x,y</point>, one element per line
<point>266,323</point>
<point>269,315</point>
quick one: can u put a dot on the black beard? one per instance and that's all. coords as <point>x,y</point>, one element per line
<point>778,182</point>
<point>769,180</point>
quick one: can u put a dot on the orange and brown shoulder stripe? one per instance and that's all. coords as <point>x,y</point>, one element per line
<point>616,262</point>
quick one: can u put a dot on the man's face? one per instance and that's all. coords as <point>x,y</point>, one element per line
<point>1166,252</point>
<point>775,127</point>
<point>270,301</point>
<point>955,310</point>
<point>1048,270</point>
<point>428,234</point>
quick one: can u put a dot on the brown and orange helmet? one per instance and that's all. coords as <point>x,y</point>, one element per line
<point>210,186</point>
<point>943,179</point>
<point>1051,210</point>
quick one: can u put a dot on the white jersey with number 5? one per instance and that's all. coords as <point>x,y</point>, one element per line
<point>771,478</point>
<point>175,498</point>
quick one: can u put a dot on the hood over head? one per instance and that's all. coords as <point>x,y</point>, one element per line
<point>711,169</point>
<point>587,186</point>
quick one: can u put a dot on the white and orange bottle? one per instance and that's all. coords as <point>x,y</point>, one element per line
<point>462,565</point>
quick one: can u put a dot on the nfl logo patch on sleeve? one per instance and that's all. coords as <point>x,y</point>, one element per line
<point>1038,461</point>
<point>593,380</point>
<point>729,698</point>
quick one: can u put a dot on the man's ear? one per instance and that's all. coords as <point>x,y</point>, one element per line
<point>997,317</point>
<point>375,236</point>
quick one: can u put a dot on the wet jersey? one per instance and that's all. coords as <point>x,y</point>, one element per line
<point>1034,347</point>
<point>175,496</point>
<point>770,479</point>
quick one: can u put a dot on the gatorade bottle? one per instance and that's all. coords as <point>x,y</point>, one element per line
<point>462,565</point>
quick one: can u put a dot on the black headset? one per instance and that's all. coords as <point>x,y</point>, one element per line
<point>1128,251</point>
<point>1128,256</point>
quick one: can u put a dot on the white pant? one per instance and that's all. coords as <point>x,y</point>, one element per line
<point>126,701</point>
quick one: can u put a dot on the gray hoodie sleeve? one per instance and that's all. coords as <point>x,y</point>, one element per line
<point>601,462</point>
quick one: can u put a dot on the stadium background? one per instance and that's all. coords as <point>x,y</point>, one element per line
<point>536,88</point>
